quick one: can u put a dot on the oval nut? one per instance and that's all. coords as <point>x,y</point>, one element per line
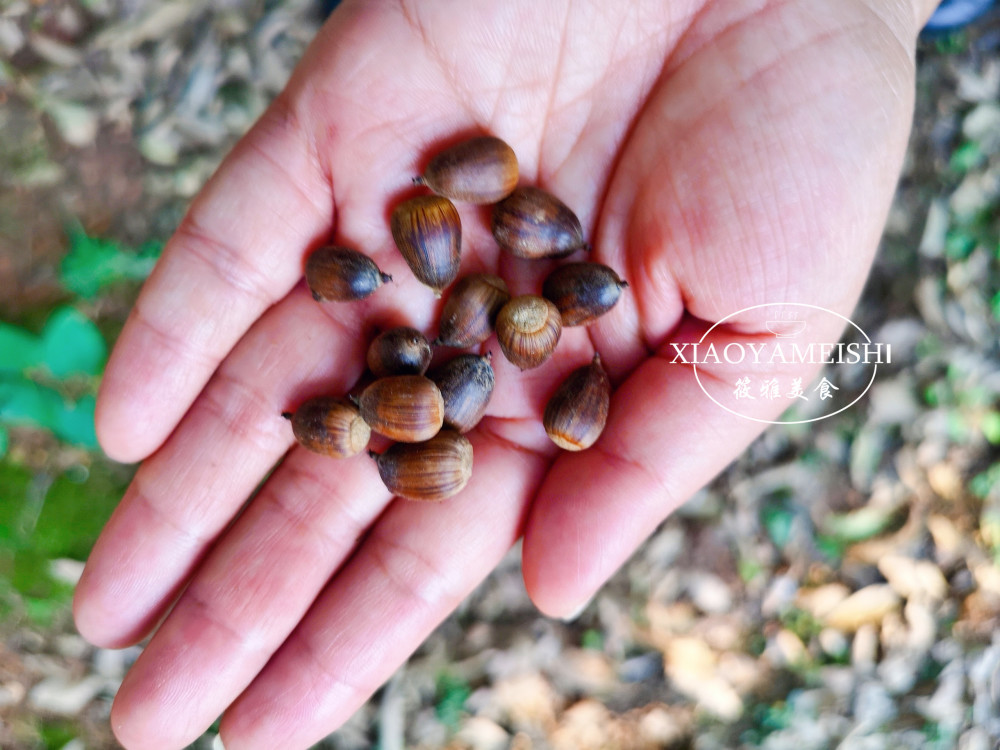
<point>408,408</point>
<point>341,274</point>
<point>480,170</point>
<point>432,470</point>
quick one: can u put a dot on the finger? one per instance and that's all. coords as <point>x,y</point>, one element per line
<point>420,561</point>
<point>186,494</point>
<point>248,596</point>
<point>237,252</point>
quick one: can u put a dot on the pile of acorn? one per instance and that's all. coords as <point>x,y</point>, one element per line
<point>428,414</point>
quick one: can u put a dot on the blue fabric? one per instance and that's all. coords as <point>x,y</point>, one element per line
<point>954,14</point>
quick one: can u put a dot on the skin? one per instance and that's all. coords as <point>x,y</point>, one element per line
<point>719,155</point>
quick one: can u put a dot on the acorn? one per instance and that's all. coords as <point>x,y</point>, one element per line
<point>432,470</point>
<point>577,412</point>
<point>331,426</point>
<point>470,312</point>
<point>466,383</point>
<point>341,274</point>
<point>480,170</point>
<point>399,351</point>
<point>428,233</point>
<point>408,408</point>
<point>528,329</point>
<point>583,291</point>
<point>531,223</point>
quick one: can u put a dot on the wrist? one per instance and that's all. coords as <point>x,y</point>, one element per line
<point>924,9</point>
<point>905,17</point>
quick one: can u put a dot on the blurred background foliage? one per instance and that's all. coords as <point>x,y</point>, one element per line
<point>114,113</point>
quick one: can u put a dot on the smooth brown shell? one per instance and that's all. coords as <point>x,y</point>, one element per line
<point>432,470</point>
<point>528,329</point>
<point>341,274</point>
<point>577,412</point>
<point>331,426</point>
<point>531,223</point>
<point>399,351</point>
<point>583,291</point>
<point>466,384</point>
<point>408,408</point>
<point>469,315</point>
<point>480,170</point>
<point>428,232</point>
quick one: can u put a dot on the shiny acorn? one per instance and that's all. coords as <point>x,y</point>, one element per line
<point>583,291</point>
<point>399,351</point>
<point>466,383</point>
<point>528,329</point>
<point>330,426</point>
<point>577,412</point>
<point>480,170</point>
<point>428,232</point>
<point>408,408</point>
<point>531,223</point>
<point>470,312</point>
<point>341,274</point>
<point>432,470</point>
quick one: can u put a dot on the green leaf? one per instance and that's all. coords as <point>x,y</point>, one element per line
<point>92,263</point>
<point>452,692</point>
<point>592,640</point>
<point>967,156</point>
<point>74,423</point>
<point>959,244</point>
<point>778,520</point>
<point>72,344</point>
<point>4,441</point>
<point>25,402</point>
<point>19,349</point>
<point>829,547</point>
<point>990,427</point>
<point>859,525</point>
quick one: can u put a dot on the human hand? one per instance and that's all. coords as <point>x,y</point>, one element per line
<point>721,156</point>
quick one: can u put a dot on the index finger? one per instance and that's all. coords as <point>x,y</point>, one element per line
<point>227,263</point>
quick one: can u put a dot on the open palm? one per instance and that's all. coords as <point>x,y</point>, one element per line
<point>720,155</point>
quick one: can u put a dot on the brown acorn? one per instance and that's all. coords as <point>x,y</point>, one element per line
<point>528,329</point>
<point>341,274</point>
<point>399,351</point>
<point>432,470</point>
<point>480,170</point>
<point>470,312</point>
<point>583,291</point>
<point>408,408</point>
<point>428,233</point>
<point>577,412</point>
<point>466,384</point>
<point>531,223</point>
<point>331,426</point>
